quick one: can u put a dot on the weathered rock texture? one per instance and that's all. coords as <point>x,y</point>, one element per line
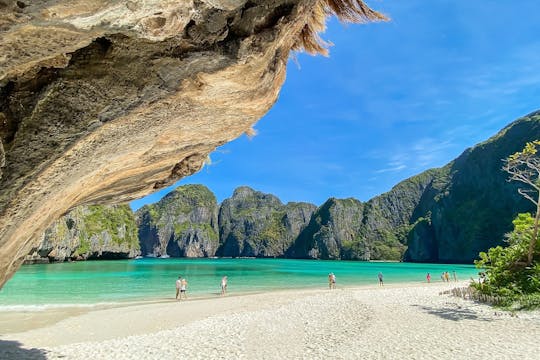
<point>106,101</point>
<point>375,230</point>
<point>252,223</point>
<point>332,227</point>
<point>95,232</point>
<point>183,223</point>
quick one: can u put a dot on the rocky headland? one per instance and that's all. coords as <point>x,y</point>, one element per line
<point>182,224</point>
<point>94,232</point>
<point>252,223</point>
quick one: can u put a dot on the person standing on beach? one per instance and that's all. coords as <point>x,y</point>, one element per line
<point>447,276</point>
<point>223,285</point>
<point>178,286</point>
<point>428,278</point>
<point>454,275</point>
<point>331,281</point>
<point>183,288</point>
<point>482,279</point>
<point>380,276</point>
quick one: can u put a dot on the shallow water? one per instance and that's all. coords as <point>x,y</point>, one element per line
<point>93,282</point>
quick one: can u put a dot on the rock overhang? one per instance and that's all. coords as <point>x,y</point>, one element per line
<point>104,102</point>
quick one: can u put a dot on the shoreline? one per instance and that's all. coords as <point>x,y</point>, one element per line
<point>42,315</point>
<point>49,314</point>
<point>413,320</point>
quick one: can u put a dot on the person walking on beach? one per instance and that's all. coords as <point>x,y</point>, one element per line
<point>178,286</point>
<point>183,288</point>
<point>454,275</point>
<point>447,276</point>
<point>428,278</point>
<point>380,276</point>
<point>223,285</point>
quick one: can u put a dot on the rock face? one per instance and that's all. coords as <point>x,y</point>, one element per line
<point>95,232</point>
<point>106,101</point>
<point>441,215</point>
<point>334,226</point>
<point>375,230</point>
<point>252,223</point>
<point>182,224</point>
<point>473,210</point>
<point>388,217</point>
<point>185,223</point>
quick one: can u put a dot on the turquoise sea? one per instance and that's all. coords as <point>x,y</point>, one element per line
<point>96,282</point>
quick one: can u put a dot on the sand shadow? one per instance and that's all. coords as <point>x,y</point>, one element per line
<point>451,313</point>
<point>13,350</point>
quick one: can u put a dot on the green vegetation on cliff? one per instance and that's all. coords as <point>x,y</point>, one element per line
<point>183,223</point>
<point>118,221</point>
<point>252,223</point>
<point>90,232</point>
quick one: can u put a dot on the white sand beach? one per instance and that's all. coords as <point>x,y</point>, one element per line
<point>393,322</point>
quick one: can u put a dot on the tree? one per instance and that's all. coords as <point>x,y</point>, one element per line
<point>524,166</point>
<point>504,277</point>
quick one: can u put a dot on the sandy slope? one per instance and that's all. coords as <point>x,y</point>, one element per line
<point>394,322</point>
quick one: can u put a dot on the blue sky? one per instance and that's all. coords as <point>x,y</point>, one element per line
<point>392,100</point>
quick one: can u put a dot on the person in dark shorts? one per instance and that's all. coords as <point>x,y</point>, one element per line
<point>183,289</point>
<point>380,276</point>
<point>331,281</point>
<point>178,286</point>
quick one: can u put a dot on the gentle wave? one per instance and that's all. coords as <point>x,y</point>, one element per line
<point>45,307</point>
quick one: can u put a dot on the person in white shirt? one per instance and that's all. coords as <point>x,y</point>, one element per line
<point>224,285</point>
<point>178,286</point>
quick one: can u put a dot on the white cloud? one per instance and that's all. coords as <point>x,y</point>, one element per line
<point>391,169</point>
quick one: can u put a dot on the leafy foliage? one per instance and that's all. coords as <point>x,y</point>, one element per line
<point>506,276</point>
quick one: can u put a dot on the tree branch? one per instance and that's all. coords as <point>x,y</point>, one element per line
<point>525,194</point>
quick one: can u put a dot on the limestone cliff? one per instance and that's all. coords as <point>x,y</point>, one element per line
<point>182,224</point>
<point>333,226</point>
<point>473,210</point>
<point>387,218</point>
<point>106,101</point>
<point>252,223</point>
<point>375,230</point>
<point>448,214</point>
<point>95,232</point>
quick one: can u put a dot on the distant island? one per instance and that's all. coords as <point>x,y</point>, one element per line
<point>446,214</point>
